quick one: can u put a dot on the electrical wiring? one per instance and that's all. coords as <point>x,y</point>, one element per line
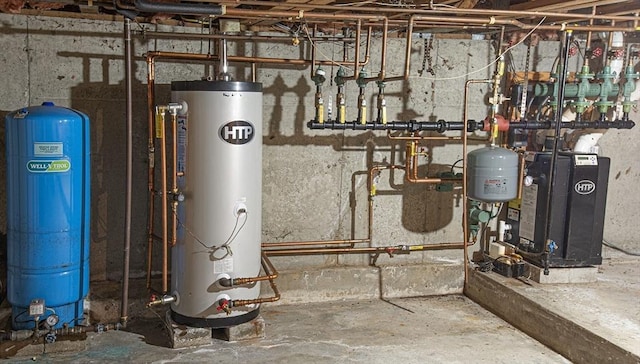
<point>326,58</point>
<point>488,65</point>
<point>615,247</point>
<point>224,245</point>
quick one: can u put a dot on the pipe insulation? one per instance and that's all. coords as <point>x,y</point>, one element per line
<point>180,8</point>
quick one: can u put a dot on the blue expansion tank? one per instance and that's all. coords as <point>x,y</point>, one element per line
<point>48,203</point>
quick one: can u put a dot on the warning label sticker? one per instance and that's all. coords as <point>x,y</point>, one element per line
<point>528,212</point>
<point>223,265</point>
<point>496,186</point>
<point>48,149</point>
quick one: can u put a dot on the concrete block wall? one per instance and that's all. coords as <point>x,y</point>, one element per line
<point>315,184</point>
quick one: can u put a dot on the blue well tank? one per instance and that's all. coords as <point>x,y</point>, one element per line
<point>48,203</point>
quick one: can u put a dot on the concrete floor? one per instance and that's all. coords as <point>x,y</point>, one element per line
<point>436,329</point>
<point>609,307</point>
<point>446,329</point>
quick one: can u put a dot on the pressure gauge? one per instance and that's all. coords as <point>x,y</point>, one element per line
<point>52,320</point>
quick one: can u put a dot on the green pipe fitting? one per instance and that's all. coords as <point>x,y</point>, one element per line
<point>362,78</point>
<point>583,87</point>
<point>339,79</point>
<point>603,104</point>
<point>319,76</point>
<point>477,216</point>
<point>628,88</point>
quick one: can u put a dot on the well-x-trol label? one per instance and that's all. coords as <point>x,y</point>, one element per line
<point>48,166</point>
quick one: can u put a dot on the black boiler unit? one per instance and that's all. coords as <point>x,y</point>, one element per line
<point>578,199</point>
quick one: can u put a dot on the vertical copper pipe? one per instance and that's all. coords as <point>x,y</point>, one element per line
<point>407,54</point>
<point>465,217</point>
<point>520,175</point>
<point>151,169</point>
<point>128,58</point>
<point>313,53</point>
<point>356,62</point>
<point>587,46</point>
<point>383,57</point>
<point>163,173</point>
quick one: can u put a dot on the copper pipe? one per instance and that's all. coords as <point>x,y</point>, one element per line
<point>174,178</point>
<point>319,242</point>
<point>351,242</point>
<point>233,13</point>
<point>373,12</point>
<point>411,168</point>
<point>465,217</point>
<point>313,55</point>
<point>371,250</point>
<point>491,18</point>
<point>370,186</point>
<point>245,59</point>
<point>165,237</point>
<point>407,53</point>
<point>383,55</point>
<point>421,137</point>
<point>151,169</point>
<point>520,176</point>
<point>570,5</point>
<point>271,271</point>
<point>232,37</point>
<point>356,62</point>
<point>267,277</point>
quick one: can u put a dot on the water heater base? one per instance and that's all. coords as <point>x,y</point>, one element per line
<point>214,323</point>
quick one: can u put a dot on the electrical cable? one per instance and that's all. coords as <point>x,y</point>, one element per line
<point>615,247</point>
<point>454,164</point>
<point>491,63</point>
<point>229,240</point>
<point>326,58</point>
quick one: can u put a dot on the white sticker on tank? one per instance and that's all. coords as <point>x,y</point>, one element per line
<point>223,265</point>
<point>495,186</point>
<point>528,212</point>
<point>513,214</point>
<point>48,149</point>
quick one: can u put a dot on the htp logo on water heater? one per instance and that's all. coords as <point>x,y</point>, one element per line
<point>237,132</point>
<point>585,187</point>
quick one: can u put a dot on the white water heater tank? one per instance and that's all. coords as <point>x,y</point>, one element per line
<point>219,229</point>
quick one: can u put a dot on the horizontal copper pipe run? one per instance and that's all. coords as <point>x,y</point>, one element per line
<point>373,12</point>
<point>422,137</point>
<point>411,167</point>
<point>245,59</point>
<point>372,250</point>
<point>232,37</point>
<point>318,242</point>
<point>267,277</point>
<point>270,271</point>
<point>231,12</point>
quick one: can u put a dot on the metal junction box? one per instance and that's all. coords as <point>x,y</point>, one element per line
<point>578,199</point>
